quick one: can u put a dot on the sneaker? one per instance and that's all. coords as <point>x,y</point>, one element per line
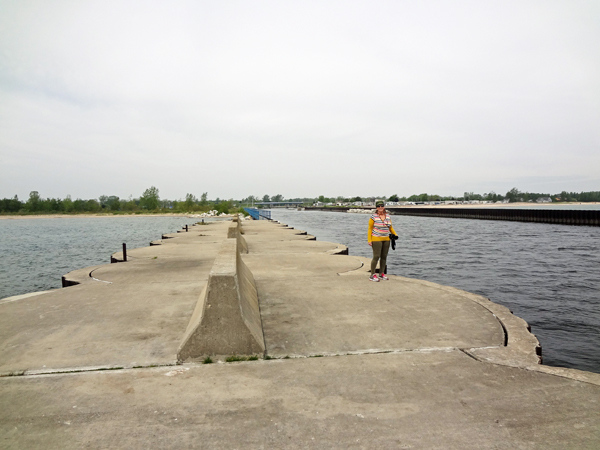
<point>383,277</point>
<point>374,277</point>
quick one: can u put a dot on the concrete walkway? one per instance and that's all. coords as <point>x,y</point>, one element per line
<point>399,364</point>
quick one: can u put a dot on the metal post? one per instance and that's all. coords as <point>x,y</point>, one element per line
<point>186,228</point>
<point>124,252</point>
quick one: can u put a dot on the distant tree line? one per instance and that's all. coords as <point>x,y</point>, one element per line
<point>150,201</point>
<point>512,196</point>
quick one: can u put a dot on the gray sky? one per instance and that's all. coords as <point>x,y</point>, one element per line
<point>300,98</point>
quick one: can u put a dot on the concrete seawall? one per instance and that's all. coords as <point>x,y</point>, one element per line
<point>343,362</point>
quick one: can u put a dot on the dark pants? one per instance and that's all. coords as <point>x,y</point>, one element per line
<point>380,251</point>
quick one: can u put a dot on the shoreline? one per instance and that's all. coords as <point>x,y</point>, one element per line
<point>193,215</point>
<point>68,216</point>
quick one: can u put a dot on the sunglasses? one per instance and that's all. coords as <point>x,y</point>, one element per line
<point>380,206</point>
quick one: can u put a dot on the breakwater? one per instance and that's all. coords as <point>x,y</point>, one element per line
<point>556,216</point>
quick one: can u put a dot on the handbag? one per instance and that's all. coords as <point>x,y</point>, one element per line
<point>393,238</point>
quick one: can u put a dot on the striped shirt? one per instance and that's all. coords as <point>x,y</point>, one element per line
<point>380,229</point>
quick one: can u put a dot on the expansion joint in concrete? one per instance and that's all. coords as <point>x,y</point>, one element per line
<point>381,351</point>
<point>74,370</point>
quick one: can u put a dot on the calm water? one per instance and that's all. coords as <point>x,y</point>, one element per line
<point>547,274</point>
<point>36,253</point>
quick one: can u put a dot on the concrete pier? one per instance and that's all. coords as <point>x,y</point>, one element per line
<point>345,363</point>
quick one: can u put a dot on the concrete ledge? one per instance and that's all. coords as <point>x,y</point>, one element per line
<point>235,232</point>
<point>79,276</point>
<point>226,320</point>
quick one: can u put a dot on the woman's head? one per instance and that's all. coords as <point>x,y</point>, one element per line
<point>380,207</point>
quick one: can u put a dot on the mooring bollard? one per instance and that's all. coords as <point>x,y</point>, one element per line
<point>186,228</point>
<point>124,252</point>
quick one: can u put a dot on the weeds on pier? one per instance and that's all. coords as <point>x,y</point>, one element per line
<point>235,358</point>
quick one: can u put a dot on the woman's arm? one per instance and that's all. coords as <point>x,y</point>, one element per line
<point>392,227</point>
<point>370,236</point>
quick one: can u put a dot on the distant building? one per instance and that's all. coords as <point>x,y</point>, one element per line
<point>544,200</point>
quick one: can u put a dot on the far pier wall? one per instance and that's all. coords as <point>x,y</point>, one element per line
<point>557,216</point>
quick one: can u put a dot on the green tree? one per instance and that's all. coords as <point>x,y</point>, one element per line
<point>277,198</point>
<point>114,203</point>
<point>79,205</point>
<point>92,205</point>
<point>204,199</point>
<point>190,202</point>
<point>393,198</point>
<point>128,205</point>
<point>513,195</point>
<point>266,198</point>
<point>55,204</point>
<point>68,204</point>
<point>149,200</point>
<point>34,202</point>
<point>223,207</point>
<point>10,204</point>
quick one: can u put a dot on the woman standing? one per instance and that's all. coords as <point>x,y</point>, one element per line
<point>380,226</point>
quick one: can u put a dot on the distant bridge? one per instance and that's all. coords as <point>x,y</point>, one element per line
<point>278,204</point>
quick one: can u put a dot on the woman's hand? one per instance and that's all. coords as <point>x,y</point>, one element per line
<point>371,244</point>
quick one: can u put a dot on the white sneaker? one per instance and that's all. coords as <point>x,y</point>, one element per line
<point>374,277</point>
<point>383,277</point>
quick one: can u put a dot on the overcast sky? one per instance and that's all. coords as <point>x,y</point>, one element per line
<point>299,98</point>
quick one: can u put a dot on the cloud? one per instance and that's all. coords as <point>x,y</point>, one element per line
<point>299,98</point>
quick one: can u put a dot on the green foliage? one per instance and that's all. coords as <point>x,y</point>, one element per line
<point>11,205</point>
<point>514,195</point>
<point>224,207</point>
<point>149,199</point>
<point>34,204</point>
<point>190,202</point>
<point>207,360</point>
<point>472,196</point>
<point>393,198</point>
